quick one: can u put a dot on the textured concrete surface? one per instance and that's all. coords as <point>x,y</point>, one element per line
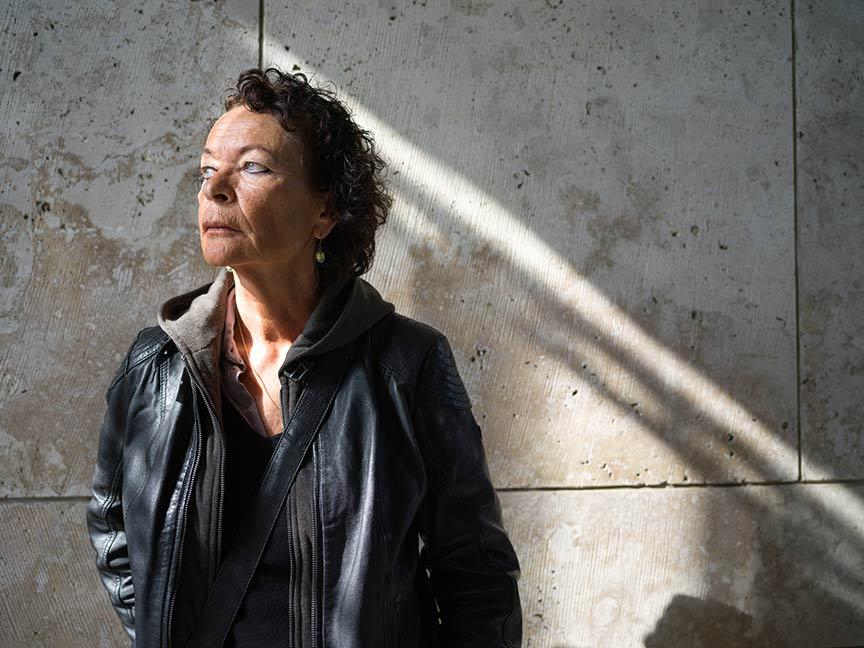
<point>595,203</point>
<point>50,594</point>
<point>748,566</point>
<point>830,93</point>
<point>100,135</point>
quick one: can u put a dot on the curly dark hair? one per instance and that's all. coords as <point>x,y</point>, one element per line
<point>338,156</point>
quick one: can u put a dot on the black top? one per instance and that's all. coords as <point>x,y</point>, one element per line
<point>263,617</point>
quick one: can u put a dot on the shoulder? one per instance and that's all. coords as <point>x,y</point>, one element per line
<point>422,354</point>
<point>145,345</point>
<point>402,343</point>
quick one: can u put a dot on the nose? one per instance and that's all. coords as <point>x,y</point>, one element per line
<point>218,187</point>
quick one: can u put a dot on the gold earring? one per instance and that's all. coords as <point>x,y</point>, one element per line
<point>319,253</point>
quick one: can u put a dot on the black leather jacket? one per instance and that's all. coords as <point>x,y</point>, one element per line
<point>399,459</point>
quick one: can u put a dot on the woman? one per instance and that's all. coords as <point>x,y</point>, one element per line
<point>284,505</point>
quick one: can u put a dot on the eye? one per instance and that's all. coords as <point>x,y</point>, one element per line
<point>254,167</point>
<point>203,173</point>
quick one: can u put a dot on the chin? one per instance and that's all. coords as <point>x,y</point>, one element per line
<point>219,258</point>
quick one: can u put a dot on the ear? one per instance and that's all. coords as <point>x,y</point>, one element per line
<point>325,221</point>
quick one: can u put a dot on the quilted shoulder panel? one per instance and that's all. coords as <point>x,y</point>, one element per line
<point>148,341</point>
<point>442,378</point>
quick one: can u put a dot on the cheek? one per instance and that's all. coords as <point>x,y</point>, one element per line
<point>256,208</point>
<point>279,211</point>
<point>292,206</point>
<point>266,220</point>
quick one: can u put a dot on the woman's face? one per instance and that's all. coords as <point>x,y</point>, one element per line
<point>255,206</point>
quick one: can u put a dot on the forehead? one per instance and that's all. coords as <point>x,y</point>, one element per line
<point>241,128</point>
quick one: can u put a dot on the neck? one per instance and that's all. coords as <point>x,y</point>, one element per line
<point>273,307</point>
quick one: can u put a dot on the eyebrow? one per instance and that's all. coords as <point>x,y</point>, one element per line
<point>243,149</point>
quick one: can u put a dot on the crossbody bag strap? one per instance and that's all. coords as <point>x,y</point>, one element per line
<point>241,560</point>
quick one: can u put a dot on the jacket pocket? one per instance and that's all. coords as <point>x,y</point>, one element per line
<point>405,619</point>
<point>397,625</point>
<point>391,613</point>
<point>392,604</point>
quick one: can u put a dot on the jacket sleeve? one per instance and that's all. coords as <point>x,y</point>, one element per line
<point>104,511</point>
<point>472,564</point>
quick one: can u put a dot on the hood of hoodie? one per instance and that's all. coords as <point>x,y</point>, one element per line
<point>195,322</point>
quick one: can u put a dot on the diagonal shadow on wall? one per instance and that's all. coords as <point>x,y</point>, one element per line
<point>573,333</point>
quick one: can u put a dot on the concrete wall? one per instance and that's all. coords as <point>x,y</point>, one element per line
<point>639,224</point>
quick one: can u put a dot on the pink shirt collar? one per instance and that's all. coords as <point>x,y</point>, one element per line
<point>232,367</point>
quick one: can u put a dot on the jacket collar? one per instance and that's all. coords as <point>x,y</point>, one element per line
<point>195,321</point>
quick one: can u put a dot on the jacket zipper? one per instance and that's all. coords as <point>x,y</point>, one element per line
<point>292,578</point>
<point>182,521</point>
<point>315,546</point>
<point>315,529</point>
<point>292,621</point>
<point>184,509</point>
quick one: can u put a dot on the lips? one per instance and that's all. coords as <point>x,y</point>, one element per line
<point>219,226</point>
